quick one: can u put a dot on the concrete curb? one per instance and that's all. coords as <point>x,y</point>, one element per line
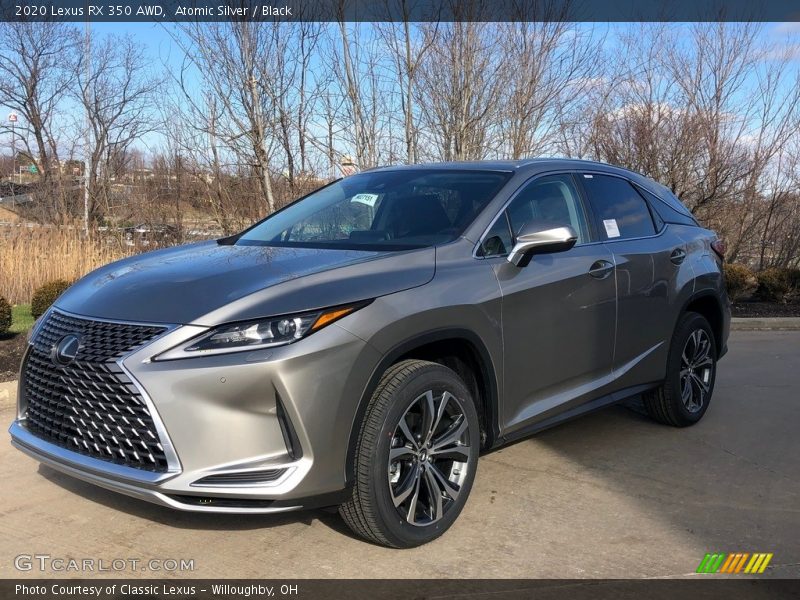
<point>765,324</point>
<point>8,394</point>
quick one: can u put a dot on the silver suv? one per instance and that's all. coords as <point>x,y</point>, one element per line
<point>363,345</point>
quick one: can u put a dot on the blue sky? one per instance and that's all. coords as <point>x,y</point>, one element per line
<point>159,42</point>
<point>160,47</point>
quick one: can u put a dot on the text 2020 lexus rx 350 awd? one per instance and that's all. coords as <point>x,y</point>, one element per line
<point>363,345</point>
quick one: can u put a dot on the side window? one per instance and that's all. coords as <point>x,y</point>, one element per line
<point>551,200</point>
<point>497,240</point>
<point>621,212</point>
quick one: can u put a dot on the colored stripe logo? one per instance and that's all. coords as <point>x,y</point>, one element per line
<point>736,562</point>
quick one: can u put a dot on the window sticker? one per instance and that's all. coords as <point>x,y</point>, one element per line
<point>612,231</point>
<point>368,199</point>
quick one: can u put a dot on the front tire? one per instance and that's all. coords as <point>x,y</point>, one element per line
<point>416,456</point>
<point>683,398</point>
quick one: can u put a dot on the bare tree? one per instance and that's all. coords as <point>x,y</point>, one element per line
<point>638,118</point>
<point>117,91</point>
<point>711,71</point>
<point>262,111</point>
<point>408,43</point>
<point>460,83</point>
<point>288,82</point>
<point>332,109</point>
<point>361,79</point>
<point>707,109</point>
<point>36,69</point>
<point>36,66</point>
<point>225,189</point>
<point>230,61</point>
<point>554,63</point>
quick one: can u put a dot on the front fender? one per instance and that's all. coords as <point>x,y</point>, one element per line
<point>398,324</point>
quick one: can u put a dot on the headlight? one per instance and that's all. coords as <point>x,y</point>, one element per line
<point>263,333</point>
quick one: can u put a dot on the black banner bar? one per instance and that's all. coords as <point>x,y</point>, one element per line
<point>398,10</point>
<point>702,588</point>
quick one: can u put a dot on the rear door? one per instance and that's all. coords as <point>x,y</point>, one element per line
<point>647,257</point>
<point>558,313</point>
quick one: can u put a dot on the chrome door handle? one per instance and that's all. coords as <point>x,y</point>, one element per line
<point>601,269</point>
<point>677,257</point>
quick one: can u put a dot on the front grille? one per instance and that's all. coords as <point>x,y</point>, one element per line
<point>90,405</point>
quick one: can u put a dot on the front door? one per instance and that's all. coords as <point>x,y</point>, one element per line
<point>559,312</point>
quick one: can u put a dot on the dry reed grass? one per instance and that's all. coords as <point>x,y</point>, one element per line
<point>32,256</point>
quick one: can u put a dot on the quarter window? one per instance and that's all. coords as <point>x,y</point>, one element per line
<point>497,240</point>
<point>621,212</point>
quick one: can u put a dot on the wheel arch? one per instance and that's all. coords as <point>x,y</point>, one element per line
<point>459,349</point>
<point>708,304</point>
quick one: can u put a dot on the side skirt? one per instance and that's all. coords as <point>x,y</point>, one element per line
<point>578,411</point>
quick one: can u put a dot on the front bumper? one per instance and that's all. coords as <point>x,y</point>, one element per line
<point>93,471</point>
<point>286,412</point>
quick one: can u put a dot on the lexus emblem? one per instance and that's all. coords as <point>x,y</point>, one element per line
<point>66,349</point>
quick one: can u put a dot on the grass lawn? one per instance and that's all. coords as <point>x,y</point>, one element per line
<point>21,318</point>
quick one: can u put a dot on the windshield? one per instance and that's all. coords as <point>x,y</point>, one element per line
<point>382,210</point>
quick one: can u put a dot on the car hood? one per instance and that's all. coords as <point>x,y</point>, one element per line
<point>210,283</point>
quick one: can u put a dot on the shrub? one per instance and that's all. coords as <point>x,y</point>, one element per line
<point>774,284</point>
<point>5,315</point>
<point>44,296</point>
<point>739,280</point>
<point>793,276</point>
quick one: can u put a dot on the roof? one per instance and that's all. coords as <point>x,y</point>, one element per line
<point>529,166</point>
<point>509,165</point>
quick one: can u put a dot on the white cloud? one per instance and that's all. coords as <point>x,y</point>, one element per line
<point>788,27</point>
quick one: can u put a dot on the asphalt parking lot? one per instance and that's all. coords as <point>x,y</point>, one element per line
<point>610,495</point>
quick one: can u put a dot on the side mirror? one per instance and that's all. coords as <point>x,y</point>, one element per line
<point>540,238</point>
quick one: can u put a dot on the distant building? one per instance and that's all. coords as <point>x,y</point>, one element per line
<point>348,166</point>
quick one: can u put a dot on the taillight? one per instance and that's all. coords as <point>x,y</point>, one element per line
<point>718,246</point>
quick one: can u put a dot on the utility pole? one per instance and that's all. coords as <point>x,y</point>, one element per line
<point>86,161</point>
<point>12,118</point>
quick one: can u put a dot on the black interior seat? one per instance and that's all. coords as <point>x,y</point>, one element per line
<point>421,214</point>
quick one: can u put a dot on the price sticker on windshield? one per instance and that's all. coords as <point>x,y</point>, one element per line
<point>368,199</point>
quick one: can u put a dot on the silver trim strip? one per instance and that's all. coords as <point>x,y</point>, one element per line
<point>584,201</point>
<point>249,485</point>
<point>173,462</point>
<point>168,326</point>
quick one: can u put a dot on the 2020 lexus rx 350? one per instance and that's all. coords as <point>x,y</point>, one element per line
<point>360,347</point>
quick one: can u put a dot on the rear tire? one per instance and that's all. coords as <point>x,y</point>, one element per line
<point>683,398</point>
<point>415,458</point>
